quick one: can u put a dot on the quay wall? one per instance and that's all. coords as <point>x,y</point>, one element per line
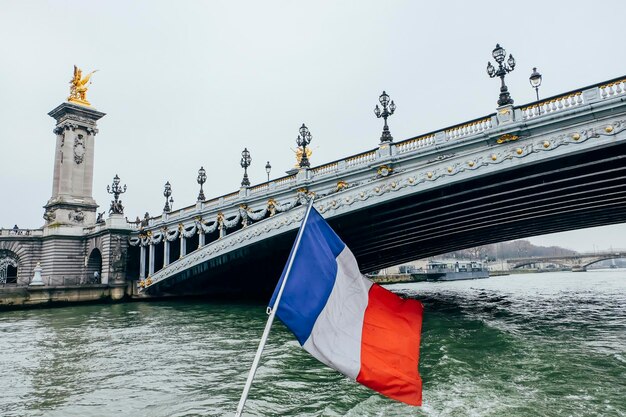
<point>12,298</point>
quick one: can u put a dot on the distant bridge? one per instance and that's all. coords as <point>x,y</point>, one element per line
<point>549,166</point>
<point>577,262</point>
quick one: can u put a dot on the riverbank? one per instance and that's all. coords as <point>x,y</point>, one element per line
<point>13,298</point>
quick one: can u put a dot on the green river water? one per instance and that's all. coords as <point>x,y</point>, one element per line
<point>551,344</point>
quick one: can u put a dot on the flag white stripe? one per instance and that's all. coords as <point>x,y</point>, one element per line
<point>336,336</point>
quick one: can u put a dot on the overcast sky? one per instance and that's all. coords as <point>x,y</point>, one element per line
<point>191,83</point>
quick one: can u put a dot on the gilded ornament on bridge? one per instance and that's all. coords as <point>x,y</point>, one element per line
<point>471,163</point>
<point>79,86</point>
<point>384,170</point>
<point>608,129</point>
<point>494,157</point>
<point>341,185</point>
<point>507,138</point>
<point>519,151</point>
<point>546,144</point>
<point>298,153</point>
<point>504,111</point>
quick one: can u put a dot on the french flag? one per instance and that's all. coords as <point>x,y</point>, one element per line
<point>347,322</point>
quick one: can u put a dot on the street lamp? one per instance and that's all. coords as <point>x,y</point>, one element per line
<point>167,192</point>
<point>503,69</point>
<point>245,163</point>
<point>116,190</point>
<point>388,110</point>
<point>201,180</point>
<point>268,168</point>
<point>535,81</point>
<point>304,138</point>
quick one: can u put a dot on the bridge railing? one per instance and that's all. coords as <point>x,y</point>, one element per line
<point>21,232</point>
<point>415,144</point>
<point>470,128</point>
<point>576,98</point>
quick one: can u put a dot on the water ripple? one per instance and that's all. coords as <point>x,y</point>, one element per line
<point>520,346</point>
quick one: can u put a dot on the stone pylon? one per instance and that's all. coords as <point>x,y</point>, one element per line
<point>72,203</point>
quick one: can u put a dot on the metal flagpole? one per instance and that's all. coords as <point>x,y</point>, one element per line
<point>270,320</point>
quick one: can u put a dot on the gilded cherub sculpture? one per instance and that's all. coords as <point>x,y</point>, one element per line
<point>79,86</point>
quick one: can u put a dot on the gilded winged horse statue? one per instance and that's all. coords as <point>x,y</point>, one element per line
<point>79,86</point>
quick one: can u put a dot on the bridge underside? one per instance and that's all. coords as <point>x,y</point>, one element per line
<point>572,192</point>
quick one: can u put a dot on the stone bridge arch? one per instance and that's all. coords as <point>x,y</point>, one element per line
<point>560,262</point>
<point>587,262</point>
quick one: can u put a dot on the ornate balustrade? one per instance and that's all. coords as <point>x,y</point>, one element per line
<point>575,99</point>
<point>325,169</point>
<point>285,181</point>
<point>614,88</point>
<point>468,129</point>
<point>415,144</point>
<point>361,159</point>
<point>21,232</point>
<point>553,105</point>
<point>259,188</point>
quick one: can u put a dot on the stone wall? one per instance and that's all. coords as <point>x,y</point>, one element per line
<point>24,297</point>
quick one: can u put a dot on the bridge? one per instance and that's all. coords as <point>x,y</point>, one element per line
<point>548,166</point>
<point>578,262</point>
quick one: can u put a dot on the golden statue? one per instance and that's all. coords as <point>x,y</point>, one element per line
<point>79,87</point>
<point>298,153</point>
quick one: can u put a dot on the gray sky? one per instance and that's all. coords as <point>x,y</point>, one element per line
<point>192,83</point>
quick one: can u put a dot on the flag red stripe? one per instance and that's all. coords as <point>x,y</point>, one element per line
<point>390,346</point>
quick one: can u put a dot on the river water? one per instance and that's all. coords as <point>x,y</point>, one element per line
<point>551,344</point>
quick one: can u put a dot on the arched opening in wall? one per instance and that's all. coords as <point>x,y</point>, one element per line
<point>94,267</point>
<point>8,267</point>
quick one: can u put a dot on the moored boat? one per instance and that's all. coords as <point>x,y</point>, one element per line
<point>453,270</point>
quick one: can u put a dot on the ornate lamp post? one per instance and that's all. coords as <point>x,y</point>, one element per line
<point>304,138</point>
<point>535,81</point>
<point>201,180</point>
<point>167,192</point>
<point>503,69</point>
<point>116,190</point>
<point>268,169</point>
<point>388,110</point>
<point>245,163</point>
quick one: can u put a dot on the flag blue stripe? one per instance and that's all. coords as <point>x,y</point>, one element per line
<point>311,279</point>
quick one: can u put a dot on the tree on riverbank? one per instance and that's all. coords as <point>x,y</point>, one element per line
<point>509,250</point>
